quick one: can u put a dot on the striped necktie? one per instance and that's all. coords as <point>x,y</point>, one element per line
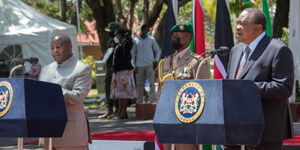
<point>243,61</point>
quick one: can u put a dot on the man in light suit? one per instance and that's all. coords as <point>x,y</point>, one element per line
<point>269,63</point>
<point>75,79</point>
<point>183,65</point>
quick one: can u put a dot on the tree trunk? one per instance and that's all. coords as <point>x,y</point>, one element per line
<point>63,10</point>
<point>74,13</point>
<point>154,14</point>
<point>119,12</point>
<point>281,18</point>
<point>146,10</point>
<point>103,14</point>
<point>131,13</point>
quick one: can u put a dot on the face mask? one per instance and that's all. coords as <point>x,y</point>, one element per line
<point>175,42</point>
<point>148,34</point>
<point>116,40</point>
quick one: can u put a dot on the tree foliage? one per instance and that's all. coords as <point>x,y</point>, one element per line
<point>133,13</point>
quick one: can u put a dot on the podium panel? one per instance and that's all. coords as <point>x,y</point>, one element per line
<point>30,108</point>
<point>231,112</point>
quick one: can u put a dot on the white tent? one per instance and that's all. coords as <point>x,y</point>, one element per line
<point>294,37</point>
<point>24,26</point>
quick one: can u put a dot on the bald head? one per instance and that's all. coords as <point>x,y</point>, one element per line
<point>61,48</point>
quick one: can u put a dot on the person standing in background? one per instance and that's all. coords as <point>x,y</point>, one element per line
<point>122,84</point>
<point>146,54</point>
<point>76,81</point>
<point>110,103</point>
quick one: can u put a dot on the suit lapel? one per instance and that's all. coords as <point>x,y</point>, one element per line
<point>262,45</point>
<point>236,59</point>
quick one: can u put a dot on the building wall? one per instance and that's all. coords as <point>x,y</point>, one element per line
<point>92,50</point>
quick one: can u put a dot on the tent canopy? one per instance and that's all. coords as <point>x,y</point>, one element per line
<point>24,26</point>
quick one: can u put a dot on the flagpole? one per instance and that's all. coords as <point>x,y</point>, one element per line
<point>78,29</point>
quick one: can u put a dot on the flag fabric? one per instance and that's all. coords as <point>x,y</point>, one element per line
<point>158,146</point>
<point>249,1</point>
<point>171,19</point>
<point>198,42</point>
<point>223,37</point>
<point>265,9</point>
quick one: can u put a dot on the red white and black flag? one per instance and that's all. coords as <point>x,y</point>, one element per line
<point>223,37</point>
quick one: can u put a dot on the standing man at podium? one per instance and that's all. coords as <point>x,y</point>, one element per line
<point>182,65</point>
<point>75,79</point>
<point>269,63</point>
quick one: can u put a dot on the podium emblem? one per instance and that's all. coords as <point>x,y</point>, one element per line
<point>189,102</point>
<point>6,94</point>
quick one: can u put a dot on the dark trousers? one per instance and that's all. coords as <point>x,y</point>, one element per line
<point>261,146</point>
<point>110,102</point>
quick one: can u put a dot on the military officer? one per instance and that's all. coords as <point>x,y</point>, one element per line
<point>183,64</point>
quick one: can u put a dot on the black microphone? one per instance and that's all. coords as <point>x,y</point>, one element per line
<point>31,60</point>
<point>223,51</point>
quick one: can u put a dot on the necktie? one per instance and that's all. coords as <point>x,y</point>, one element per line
<point>243,61</point>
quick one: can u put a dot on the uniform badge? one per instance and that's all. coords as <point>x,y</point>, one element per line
<point>189,102</point>
<point>181,26</point>
<point>6,95</point>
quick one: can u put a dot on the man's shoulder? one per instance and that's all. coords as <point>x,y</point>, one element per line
<point>49,66</point>
<point>151,37</point>
<point>82,65</point>
<point>277,43</point>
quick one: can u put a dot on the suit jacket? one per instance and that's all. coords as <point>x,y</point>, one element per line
<point>271,68</point>
<point>186,67</point>
<point>75,80</point>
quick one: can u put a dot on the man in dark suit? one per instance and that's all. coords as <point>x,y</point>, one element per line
<point>269,63</point>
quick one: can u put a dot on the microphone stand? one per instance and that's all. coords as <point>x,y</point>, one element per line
<point>212,55</point>
<point>14,69</point>
<point>20,139</point>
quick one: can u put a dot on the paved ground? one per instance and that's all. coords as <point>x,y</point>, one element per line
<point>100,125</point>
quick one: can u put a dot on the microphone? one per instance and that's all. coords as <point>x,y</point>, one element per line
<point>31,60</point>
<point>223,51</point>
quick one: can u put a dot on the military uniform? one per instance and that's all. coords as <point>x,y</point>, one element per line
<point>185,67</point>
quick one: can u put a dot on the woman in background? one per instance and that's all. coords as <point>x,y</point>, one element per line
<point>122,85</point>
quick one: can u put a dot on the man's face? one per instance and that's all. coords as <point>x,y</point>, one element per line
<point>185,37</point>
<point>144,32</point>
<point>246,30</point>
<point>61,51</point>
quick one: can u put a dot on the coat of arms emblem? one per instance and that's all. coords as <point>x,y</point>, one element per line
<point>189,102</point>
<point>6,94</point>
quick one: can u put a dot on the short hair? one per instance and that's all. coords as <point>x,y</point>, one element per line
<point>62,37</point>
<point>144,27</point>
<point>257,16</point>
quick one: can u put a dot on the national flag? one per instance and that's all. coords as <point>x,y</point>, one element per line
<point>170,22</point>
<point>198,42</point>
<point>223,37</point>
<point>265,9</point>
<point>158,146</point>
